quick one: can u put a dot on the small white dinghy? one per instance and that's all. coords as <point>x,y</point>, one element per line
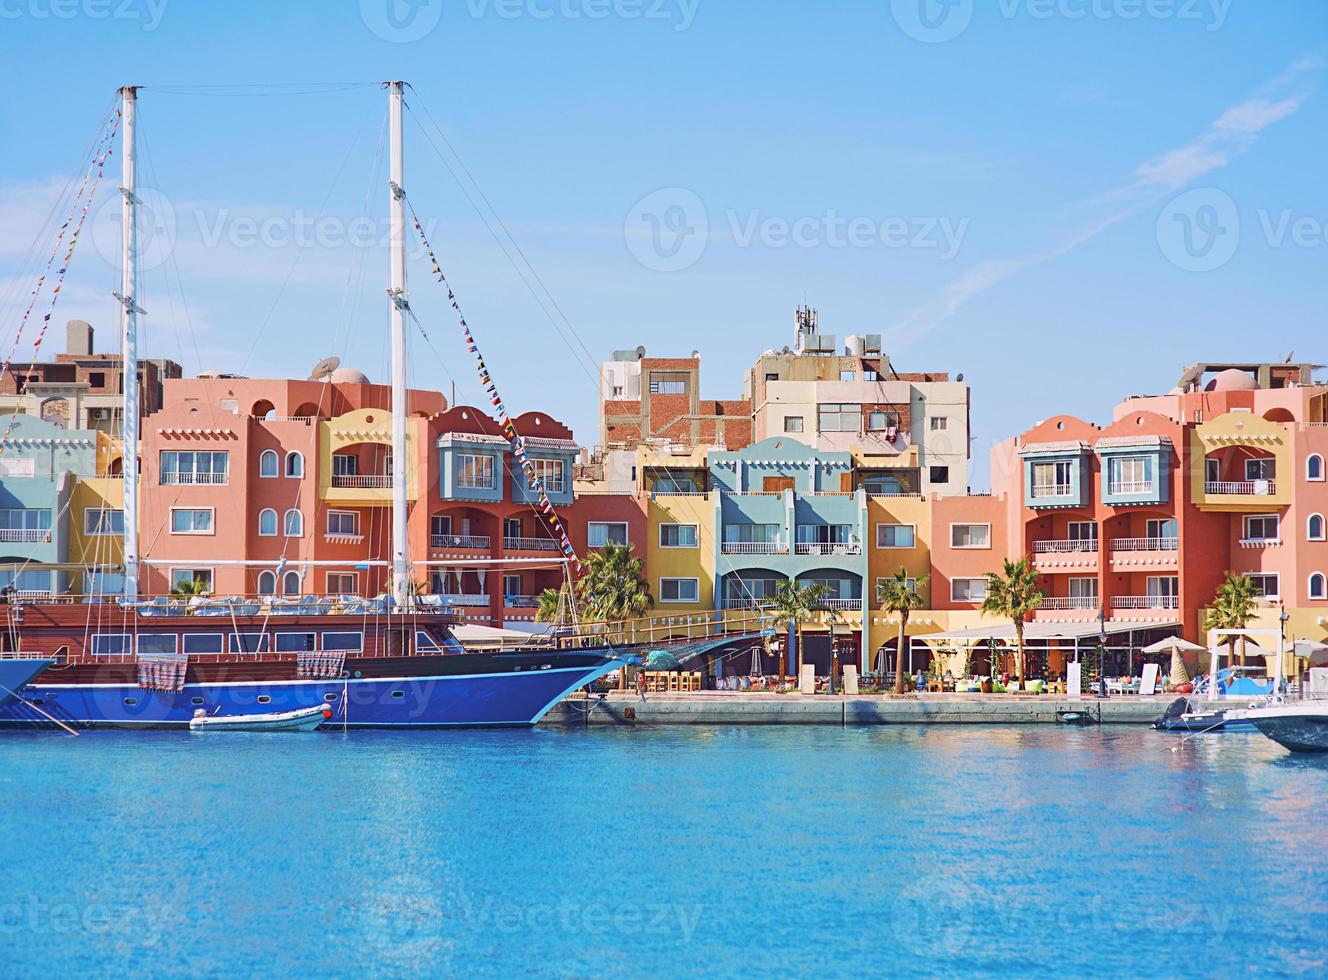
<point>299,720</point>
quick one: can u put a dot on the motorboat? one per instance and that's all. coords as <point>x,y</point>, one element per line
<point>299,720</point>
<point>1298,727</point>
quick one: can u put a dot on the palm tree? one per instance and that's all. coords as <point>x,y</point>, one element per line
<point>900,594</point>
<point>189,588</point>
<point>613,588</point>
<point>788,608</point>
<point>550,605</point>
<point>1013,593</point>
<point>1233,607</point>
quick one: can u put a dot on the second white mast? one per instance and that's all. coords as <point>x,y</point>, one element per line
<point>397,301</point>
<point>129,339</point>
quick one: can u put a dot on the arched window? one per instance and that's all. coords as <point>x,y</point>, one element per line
<point>267,464</point>
<point>1314,467</point>
<point>1318,586</point>
<point>267,583</point>
<point>267,523</point>
<point>1314,530</point>
<point>295,465</point>
<point>294,524</point>
<point>290,583</point>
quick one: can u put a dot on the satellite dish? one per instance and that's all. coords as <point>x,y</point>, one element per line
<point>324,367</point>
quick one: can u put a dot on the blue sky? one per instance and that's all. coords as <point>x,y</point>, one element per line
<point>1066,200</point>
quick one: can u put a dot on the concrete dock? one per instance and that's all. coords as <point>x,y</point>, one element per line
<point>743,708</point>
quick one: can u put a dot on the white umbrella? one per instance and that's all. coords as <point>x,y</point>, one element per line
<point>1313,651</point>
<point>1177,647</point>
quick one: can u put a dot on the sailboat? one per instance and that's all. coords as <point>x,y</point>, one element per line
<point>388,662</point>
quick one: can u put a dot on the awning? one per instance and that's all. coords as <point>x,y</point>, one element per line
<point>470,636</point>
<point>1004,632</point>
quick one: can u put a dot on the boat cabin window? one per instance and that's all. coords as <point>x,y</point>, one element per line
<point>349,642</point>
<point>203,643</point>
<point>110,644</point>
<point>157,643</point>
<point>250,643</point>
<point>295,642</point>
<point>426,642</point>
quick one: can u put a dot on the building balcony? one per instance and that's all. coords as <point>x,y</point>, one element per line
<point>530,544</point>
<point>521,601</point>
<point>343,481</point>
<point>827,548</point>
<point>461,542</point>
<point>1145,553</point>
<point>1133,545</point>
<point>1145,602</point>
<point>194,479</point>
<point>475,600</point>
<point>746,603</point>
<point>1241,488</point>
<point>1065,555</point>
<point>1042,491</point>
<point>1063,609</point>
<point>25,535</point>
<point>754,548</point>
<point>843,605</point>
<point>1065,547</point>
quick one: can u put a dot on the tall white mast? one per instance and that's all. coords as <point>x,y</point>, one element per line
<point>129,339</point>
<point>398,306</point>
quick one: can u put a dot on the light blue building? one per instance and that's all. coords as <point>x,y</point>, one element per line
<point>40,464</point>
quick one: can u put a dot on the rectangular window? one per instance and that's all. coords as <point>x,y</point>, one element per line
<point>511,527</point>
<point>98,522</point>
<point>1162,529</point>
<point>346,522</point>
<point>912,584</point>
<point>1260,469</point>
<point>295,642</point>
<point>1051,479</point>
<point>792,423</point>
<point>158,643</point>
<point>939,474</point>
<point>1082,531</point>
<point>183,577</point>
<point>1212,470</point>
<point>1267,586</point>
<point>194,467</point>
<point>677,535</point>
<point>679,590</point>
<point>1261,527</point>
<point>250,643</point>
<point>751,533</point>
<point>939,423</point>
<point>839,417</point>
<point>191,520</point>
<point>848,376</point>
<point>343,583</point>
<point>345,464</point>
<point>1083,588</point>
<point>882,421</point>
<point>1128,474</point>
<point>203,643</point>
<point>871,374</point>
<point>1163,587</point>
<point>970,535</point>
<point>550,472</point>
<point>668,386</point>
<point>512,585</point>
<point>896,536</point>
<point>24,519</point>
<point>771,376</point>
<point>344,641</point>
<point>600,533</point>
<point>475,472</point>
<point>111,644</point>
<point>968,589</point>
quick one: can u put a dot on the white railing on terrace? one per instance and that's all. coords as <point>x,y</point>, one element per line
<point>530,544</point>
<point>1065,547</point>
<point>842,603</point>
<point>747,603</point>
<point>1051,490</point>
<point>1259,488</point>
<point>24,534</point>
<point>828,548</point>
<point>1145,544</point>
<point>521,601</point>
<point>465,600</point>
<point>1130,486</point>
<point>306,419</point>
<point>753,493</point>
<point>754,548</point>
<point>1259,542</point>
<point>472,542</point>
<point>831,493</point>
<point>661,492</point>
<point>1315,425</point>
<point>195,479</point>
<point>1063,602</point>
<point>897,493</point>
<point>34,595</point>
<point>1145,602</point>
<point>347,482</point>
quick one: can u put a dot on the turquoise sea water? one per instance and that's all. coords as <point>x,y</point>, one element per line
<point>716,852</point>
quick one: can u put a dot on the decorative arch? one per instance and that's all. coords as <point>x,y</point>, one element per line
<point>267,583</point>
<point>294,524</point>
<point>1279,414</point>
<point>263,409</point>
<point>267,523</point>
<point>307,411</point>
<point>267,464</point>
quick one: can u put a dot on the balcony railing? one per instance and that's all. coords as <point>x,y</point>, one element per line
<point>754,548</point>
<point>25,534</point>
<point>1253,488</point>
<point>347,482</point>
<point>466,600</point>
<point>1051,490</point>
<point>1065,547</point>
<point>1145,544</point>
<point>746,602</point>
<point>828,548</point>
<point>1145,602</point>
<point>530,544</point>
<point>838,604</point>
<point>466,542</point>
<point>521,601</point>
<point>1063,602</point>
<point>1130,486</point>
<point>194,479</point>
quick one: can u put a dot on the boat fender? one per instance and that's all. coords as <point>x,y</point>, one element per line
<point>200,713</point>
<point>327,712</point>
<point>629,714</point>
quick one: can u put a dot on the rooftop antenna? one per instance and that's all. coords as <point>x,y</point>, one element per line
<point>324,368</point>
